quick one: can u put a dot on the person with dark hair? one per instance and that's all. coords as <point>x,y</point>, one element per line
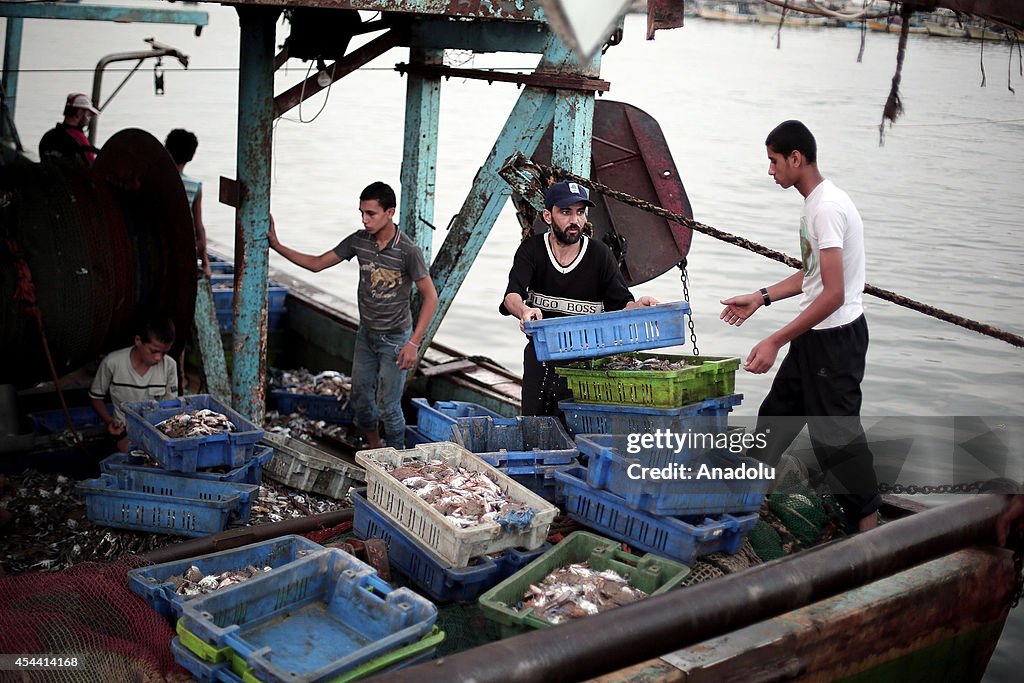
<point>67,140</point>
<point>818,383</point>
<point>558,273</point>
<point>181,145</point>
<point>143,371</point>
<point>386,343</point>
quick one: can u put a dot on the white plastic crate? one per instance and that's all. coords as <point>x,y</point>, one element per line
<point>305,467</point>
<point>453,544</point>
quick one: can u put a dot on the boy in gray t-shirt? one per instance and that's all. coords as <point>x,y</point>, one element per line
<point>141,372</point>
<point>386,344</point>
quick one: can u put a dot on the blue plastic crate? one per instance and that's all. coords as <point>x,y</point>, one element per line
<point>249,473</point>
<point>539,478</point>
<point>203,671</point>
<point>604,334</point>
<point>678,538</point>
<point>435,577</point>
<point>317,407</point>
<point>226,320</point>
<point>48,422</point>
<point>312,620</point>
<point>508,441</point>
<point>166,503</point>
<point>708,416</point>
<point>223,284</point>
<point>228,449</point>
<point>608,467</point>
<point>435,422</point>
<point>153,585</point>
<point>413,436</point>
<point>226,666</point>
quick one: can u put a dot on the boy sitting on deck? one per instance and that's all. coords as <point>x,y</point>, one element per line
<point>141,372</point>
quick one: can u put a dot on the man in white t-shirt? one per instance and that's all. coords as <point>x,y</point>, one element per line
<point>141,372</point>
<point>818,383</point>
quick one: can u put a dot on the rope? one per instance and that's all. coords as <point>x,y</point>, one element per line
<point>521,162</point>
<point>894,103</point>
<point>25,290</point>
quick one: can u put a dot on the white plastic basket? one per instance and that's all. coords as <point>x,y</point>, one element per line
<point>305,467</point>
<point>451,543</point>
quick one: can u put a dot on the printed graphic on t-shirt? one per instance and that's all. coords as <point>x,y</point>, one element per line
<point>383,281</point>
<point>563,305</point>
<point>806,253</point>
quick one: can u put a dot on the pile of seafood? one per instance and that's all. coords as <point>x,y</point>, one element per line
<point>302,381</point>
<point>631,362</point>
<point>49,530</point>
<point>297,426</point>
<point>193,582</point>
<point>203,422</point>
<point>464,497</point>
<point>576,591</point>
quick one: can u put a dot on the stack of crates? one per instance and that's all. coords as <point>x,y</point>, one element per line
<point>182,496</point>
<point>445,562</point>
<point>528,449</point>
<point>617,417</point>
<point>318,614</point>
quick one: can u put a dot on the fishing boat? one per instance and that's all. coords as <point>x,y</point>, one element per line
<point>926,592</point>
<point>945,25</point>
<point>726,11</point>
<point>977,31</point>
<point>773,17</point>
<point>945,30</point>
<point>894,25</point>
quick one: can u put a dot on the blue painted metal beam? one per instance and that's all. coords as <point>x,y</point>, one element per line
<point>523,130</point>
<point>525,126</point>
<point>466,35</point>
<point>9,85</point>
<point>419,159</point>
<point>62,10</point>
<point>255,134</point>
<point>508,10</point>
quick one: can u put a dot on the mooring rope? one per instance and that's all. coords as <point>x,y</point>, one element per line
<point>521,162</point>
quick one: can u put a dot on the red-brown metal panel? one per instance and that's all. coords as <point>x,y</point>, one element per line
<point>629,154</point>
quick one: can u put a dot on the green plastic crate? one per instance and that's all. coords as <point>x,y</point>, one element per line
<point>706,377</point>
<point>652,574</point>
<point>213,655</point>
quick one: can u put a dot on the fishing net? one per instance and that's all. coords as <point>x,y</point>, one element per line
<point>87,612</point>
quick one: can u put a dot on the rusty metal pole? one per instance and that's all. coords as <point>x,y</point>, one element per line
<point>235,538</point>
<point>650,628</point>
<point>255,133</point>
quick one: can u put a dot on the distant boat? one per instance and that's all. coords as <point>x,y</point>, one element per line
<point>894,27</point>
<point>987,33</point>
<point>767,16</point>
<point>725,11</point>
<point>944,30</point>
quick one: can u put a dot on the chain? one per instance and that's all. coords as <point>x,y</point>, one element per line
<point>913,489</point>
<point>684,278</point>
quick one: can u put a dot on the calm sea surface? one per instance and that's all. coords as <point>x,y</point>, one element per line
<point>941,201</point>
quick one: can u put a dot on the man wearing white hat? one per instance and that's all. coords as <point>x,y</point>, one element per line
<point>67,140</point>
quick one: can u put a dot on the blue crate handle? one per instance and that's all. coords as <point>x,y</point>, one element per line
<point>517,519</point>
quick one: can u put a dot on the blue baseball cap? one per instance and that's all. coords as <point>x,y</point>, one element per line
<point>566,193</point>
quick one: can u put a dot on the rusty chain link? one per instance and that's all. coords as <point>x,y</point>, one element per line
<point>684,278</point>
